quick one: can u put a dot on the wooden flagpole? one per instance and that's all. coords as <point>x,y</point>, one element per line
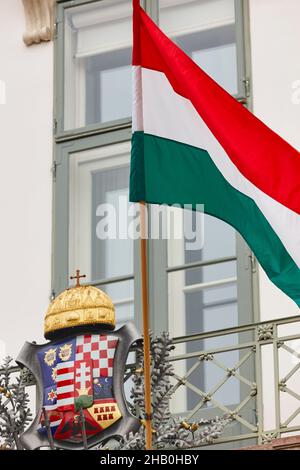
<point>147,361</point>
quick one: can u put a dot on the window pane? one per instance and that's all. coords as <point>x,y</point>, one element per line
<point>97,63</point>
<point>214,272</point>
<point>198,308</point>
<point>205,29</point>
<point>99,244</point>
<point>204,238</point>
<point>111,256</point>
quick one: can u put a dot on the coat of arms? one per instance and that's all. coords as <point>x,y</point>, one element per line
<point>80,376</point>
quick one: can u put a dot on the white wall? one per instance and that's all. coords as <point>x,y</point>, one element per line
<point>25,188</point>
<point>275,43</point>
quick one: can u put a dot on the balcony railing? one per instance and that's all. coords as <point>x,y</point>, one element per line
<point>250,372</point>
<point>262,362</point>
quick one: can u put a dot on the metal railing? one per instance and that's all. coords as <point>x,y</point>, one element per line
<point>264,361</point>
<point>250,372</point>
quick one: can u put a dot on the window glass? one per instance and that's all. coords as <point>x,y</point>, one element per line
<point>97,63</point>
<point>98,242</point>
<point>112,256</point>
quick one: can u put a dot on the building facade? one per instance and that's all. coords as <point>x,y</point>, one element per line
<point>65,113</point>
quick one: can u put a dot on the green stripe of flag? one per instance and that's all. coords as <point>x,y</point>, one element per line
<point>168,172</point>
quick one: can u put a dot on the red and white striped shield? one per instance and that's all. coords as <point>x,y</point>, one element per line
<point>65,386</point>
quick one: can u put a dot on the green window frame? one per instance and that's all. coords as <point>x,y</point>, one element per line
<point>101,134</point>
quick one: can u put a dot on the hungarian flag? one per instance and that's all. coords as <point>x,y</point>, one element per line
<point>194,144</point>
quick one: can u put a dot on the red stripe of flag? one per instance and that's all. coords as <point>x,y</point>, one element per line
<point>262,156</point>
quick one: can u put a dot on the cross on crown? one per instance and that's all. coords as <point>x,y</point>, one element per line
<point>78,277</point>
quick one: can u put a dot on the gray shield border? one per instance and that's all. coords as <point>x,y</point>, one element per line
<point>31,439</point>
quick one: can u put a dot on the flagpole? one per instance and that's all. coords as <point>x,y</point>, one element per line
<point>145,310</point>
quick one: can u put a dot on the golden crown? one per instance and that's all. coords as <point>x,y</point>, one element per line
<point>77,307</point>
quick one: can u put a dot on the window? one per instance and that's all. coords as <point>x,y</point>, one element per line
<point>99,183</point>
<point>97,58</point>
<point>93,91</point>
<point>190,290</point>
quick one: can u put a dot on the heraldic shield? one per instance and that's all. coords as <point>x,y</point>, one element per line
<point>77,375</point>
